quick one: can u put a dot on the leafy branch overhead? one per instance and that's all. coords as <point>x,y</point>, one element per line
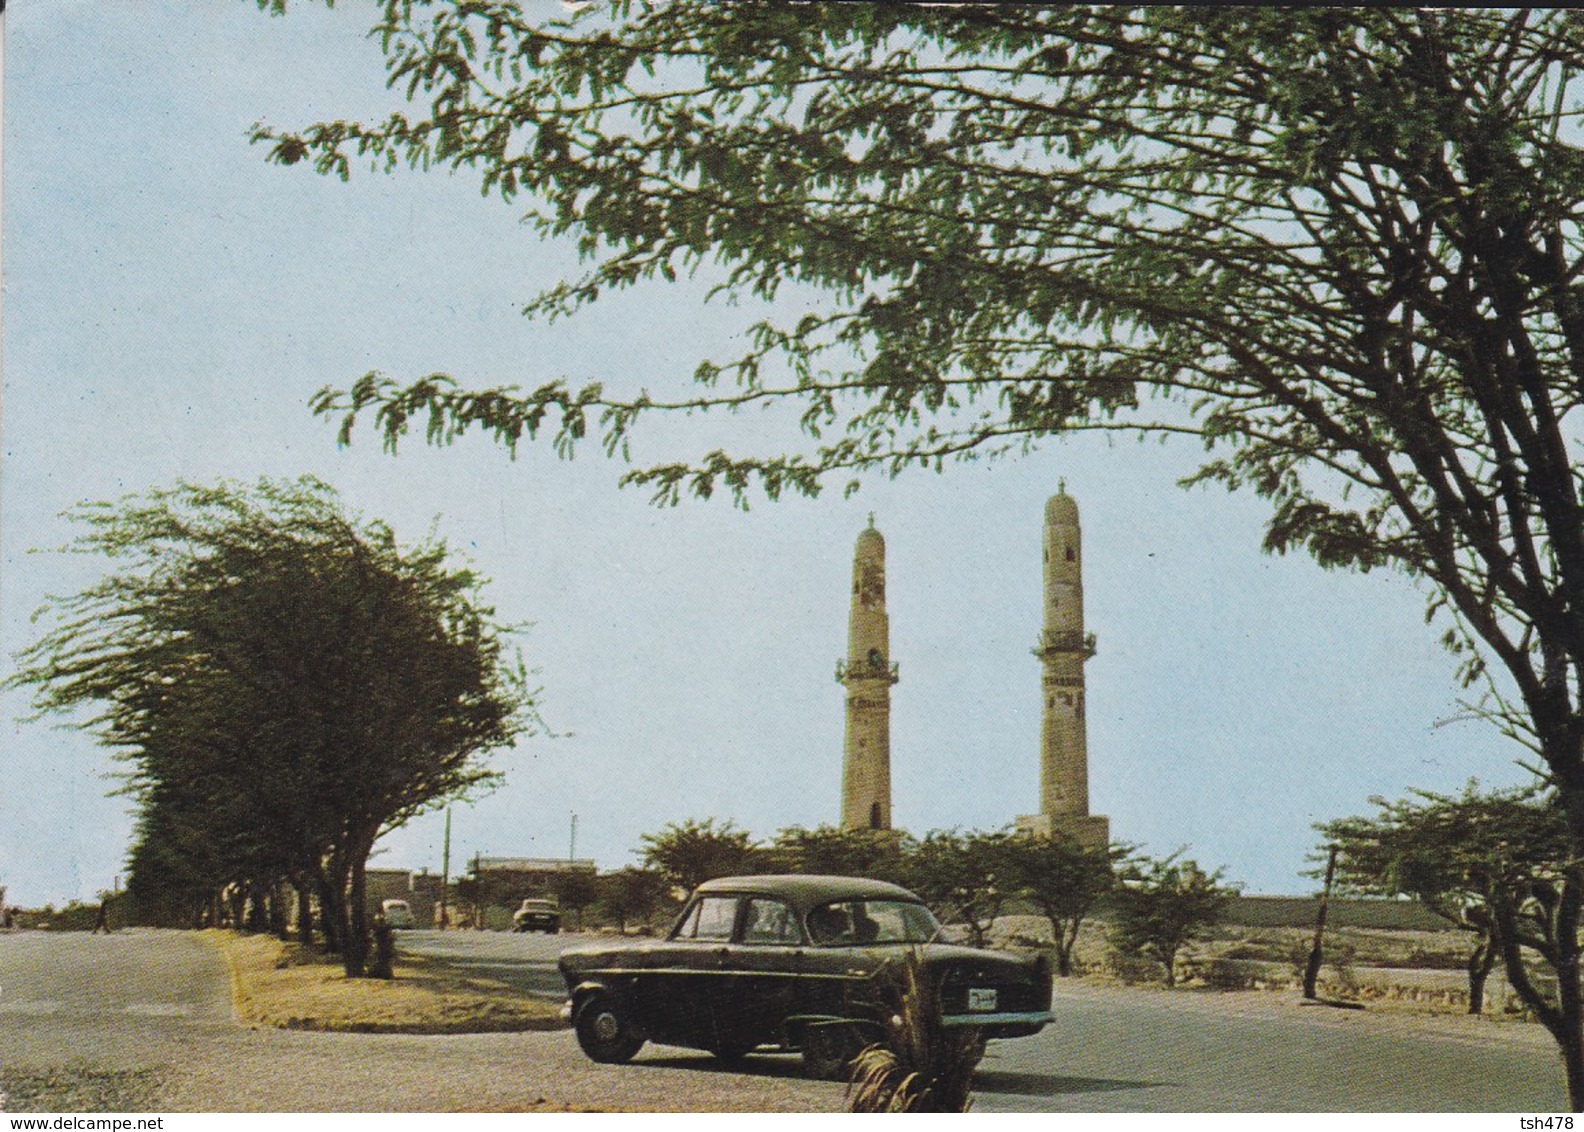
<point>1340,247</point>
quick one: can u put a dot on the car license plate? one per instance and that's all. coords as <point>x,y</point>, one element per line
<point>981,999</point>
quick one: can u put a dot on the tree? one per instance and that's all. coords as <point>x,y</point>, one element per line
<point>692,852</point>
<point>631,894</point>
<point>826,850</point>
<point>575,890</point>
<point>1493,864</point>
<point>1064,880</point>
<point>286,682</point>
<point>961,875</point>
<point>1340,247</point>
<point>1163,906</point>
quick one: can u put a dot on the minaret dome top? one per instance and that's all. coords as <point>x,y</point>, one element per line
<point>1061,508</point>
<point>871,538</point>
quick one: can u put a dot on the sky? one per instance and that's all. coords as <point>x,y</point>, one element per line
<point>172,302</point>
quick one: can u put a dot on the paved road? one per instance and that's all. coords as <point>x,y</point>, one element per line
<point>524,960</point>
<point>140,1021</point>
<point>1131,1050</point>
<point>95,1022</point>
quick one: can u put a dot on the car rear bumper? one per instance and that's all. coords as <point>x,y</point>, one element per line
<point>1035,1018</point>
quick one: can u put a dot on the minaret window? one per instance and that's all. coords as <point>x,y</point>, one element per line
<point>1070,555</point>
<point>876,661</point>
<point>874,815</point>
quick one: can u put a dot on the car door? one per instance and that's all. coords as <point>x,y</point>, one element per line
<point>681,990</point>
<point>758,988</point>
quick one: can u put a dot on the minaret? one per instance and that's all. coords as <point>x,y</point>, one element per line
<point>1063,649</point>
<point>867,674</point>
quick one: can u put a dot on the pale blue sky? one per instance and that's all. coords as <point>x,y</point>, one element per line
<point>172,301</point>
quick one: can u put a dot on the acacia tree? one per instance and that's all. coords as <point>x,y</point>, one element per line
<point>286,682</point>
<point>1163,906</point>
<point>1064,879</point>
<point>1493,864</point>
<point>1342,247</point>
<point>691,852</point>
<point>631,894</point>
<point>961,875</point>
<point>879,854</point>
<point>575,890</point>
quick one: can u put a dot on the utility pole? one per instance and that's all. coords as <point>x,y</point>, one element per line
<point>445,870</point>
<point>478,894</point>
<point>572,848</point>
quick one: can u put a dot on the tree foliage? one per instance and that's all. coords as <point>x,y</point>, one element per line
<point>285,683</point>
<point>1340,246</point>
<point>1064,879</point>
<point>961,876</point>
<point>1497,864</point>
<point>691,852</point>
<point>631,894</point>
<point>1162,906</point>
<point>826,850</point>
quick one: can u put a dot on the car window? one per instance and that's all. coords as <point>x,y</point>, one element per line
<point>846,923</point>
<point>770,922</point>
<point>710,918</point>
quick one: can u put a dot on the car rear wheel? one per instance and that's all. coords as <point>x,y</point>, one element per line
<point>828,1049</point>
<point>604,1031</point>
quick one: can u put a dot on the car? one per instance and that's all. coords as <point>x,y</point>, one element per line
<point>537,914</point>
<point>797,963</point>
<point>398,913</point>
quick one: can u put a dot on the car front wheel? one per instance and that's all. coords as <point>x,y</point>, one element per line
<point>604,1031</point>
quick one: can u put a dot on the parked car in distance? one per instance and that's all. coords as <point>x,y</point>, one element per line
<point>537,915</point>
<point>398,913</point>
<point>797,963</point>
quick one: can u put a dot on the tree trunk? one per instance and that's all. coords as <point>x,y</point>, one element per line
<point>276,896</point>
<point>355,945</point>
<point>1566,929</point>
<point>1480,962</point>
<point>1571,1037</point>
<point>330,905</point>
<point>257,914</point>
<point>1065,941</point>
<point>1561,1017</point>
<point>305,916</point>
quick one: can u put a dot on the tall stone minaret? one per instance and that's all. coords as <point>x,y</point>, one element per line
<point>867,674</point>
<point>1063,649</point>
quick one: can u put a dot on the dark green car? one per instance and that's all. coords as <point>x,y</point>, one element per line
<point>793,963</point>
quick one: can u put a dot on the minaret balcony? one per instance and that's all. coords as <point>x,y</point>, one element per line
<point>869,670</point>
<point>1065,642</point>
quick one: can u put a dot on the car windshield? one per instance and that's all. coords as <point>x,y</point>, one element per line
<point>845,923</point>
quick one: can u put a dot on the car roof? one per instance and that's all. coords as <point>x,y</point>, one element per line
<point>809,890</point>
